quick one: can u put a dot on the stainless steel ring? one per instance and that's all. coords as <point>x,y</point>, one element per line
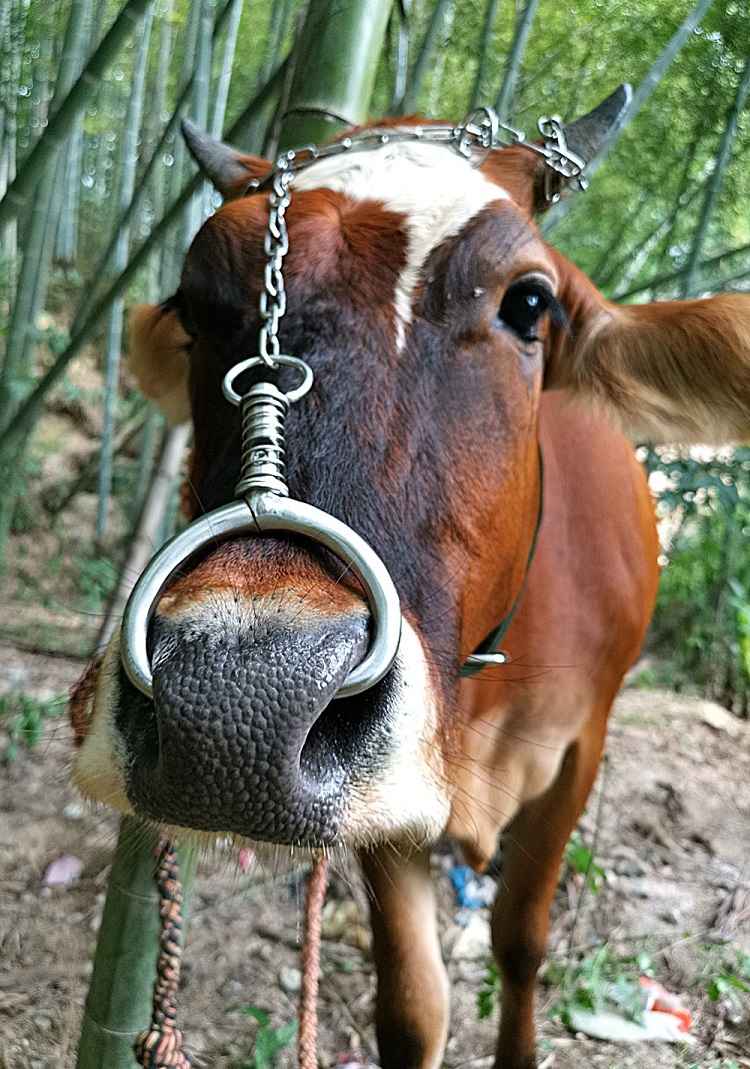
<point>267,512</point>
<point>233,374</point>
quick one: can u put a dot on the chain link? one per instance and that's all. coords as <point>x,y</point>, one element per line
<point>272,303</point>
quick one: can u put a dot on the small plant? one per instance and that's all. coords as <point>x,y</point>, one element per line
<point>726,978</point>
<point>24,717</point>
<point>97,578</point>
<point>269,1041</point>
<point>581,860</point>
<point>489,993</point>
<point>599,982</point>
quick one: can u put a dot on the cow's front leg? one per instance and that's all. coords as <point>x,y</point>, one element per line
<point>532,853</point>
<point>412,999</point>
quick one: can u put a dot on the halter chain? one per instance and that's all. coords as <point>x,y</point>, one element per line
<point>474,139</point>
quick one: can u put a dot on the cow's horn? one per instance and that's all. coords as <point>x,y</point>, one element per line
<point>220,163</point>
<point>588,135</point>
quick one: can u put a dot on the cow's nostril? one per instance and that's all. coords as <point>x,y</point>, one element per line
<point>245,735</point>
<point>343,739</point>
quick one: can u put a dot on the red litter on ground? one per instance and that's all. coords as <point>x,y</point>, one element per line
<point>660,1000</point>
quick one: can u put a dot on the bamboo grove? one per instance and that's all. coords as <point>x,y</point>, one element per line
<point>99,200</point>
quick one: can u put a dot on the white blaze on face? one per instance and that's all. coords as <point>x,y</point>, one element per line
<point>435,188</point>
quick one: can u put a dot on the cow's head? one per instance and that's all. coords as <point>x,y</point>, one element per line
<point>432,314</point>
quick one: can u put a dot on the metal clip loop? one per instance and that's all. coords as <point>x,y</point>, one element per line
<point>477,134</point>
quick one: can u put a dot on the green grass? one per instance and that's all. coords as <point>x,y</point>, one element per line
<point>23,718</point>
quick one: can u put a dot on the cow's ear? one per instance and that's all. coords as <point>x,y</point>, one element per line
<point>159,359</point>
<point>672,371</point>
<point>227,169</point>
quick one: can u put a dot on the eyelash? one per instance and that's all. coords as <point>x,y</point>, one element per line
<point>525,303</point>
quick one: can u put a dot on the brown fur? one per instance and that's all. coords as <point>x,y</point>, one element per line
<point>671,371</point>
<point>159,360</point>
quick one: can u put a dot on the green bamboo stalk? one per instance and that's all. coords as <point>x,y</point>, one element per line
<point>174,243</point>
<point>225,71</point>
<point>69,173</point>
<point>270,146</point>
<point>119,998</point>
<point>201,92</point>
<point>279,26</point>
<point>154,178</point>
<point>335,72</point>
<point>40,227</point>
<point>85,325</point>
<point>69,111</point>
<point>22,323</point>
<point>149,173</point>
<point>401,72</point>
<point>146,456</point>
<point>485,51</point>
<point>424,58</point>
<point>439,66</point>
<point>117,312</point>
<point>66,241</point>
<point>713,189</point>
<point>14,22</point>
<point>504,102</point>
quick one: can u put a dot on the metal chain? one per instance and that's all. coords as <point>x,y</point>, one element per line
<point>562,163</point>
<point>474,139</point>
<point>272,303</point>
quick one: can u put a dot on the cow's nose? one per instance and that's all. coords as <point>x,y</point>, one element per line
<point>235,740</point>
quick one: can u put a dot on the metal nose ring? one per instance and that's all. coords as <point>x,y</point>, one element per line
<point>260,513</point>
<point>266,506</point>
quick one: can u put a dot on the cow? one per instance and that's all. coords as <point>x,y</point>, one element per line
<point>474,403</point>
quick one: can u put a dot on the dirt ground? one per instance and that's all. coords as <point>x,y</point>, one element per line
<point>674,843</point>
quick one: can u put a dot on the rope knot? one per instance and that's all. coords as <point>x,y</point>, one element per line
<point>161,1050</point>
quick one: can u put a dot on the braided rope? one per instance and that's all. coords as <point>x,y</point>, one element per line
<point>308,1006</point>
<point>160,1047</point>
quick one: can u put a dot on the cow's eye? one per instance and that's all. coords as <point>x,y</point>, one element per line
<point>524,304</point>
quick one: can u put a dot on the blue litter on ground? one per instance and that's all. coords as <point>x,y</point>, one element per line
<point>472,891</point>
